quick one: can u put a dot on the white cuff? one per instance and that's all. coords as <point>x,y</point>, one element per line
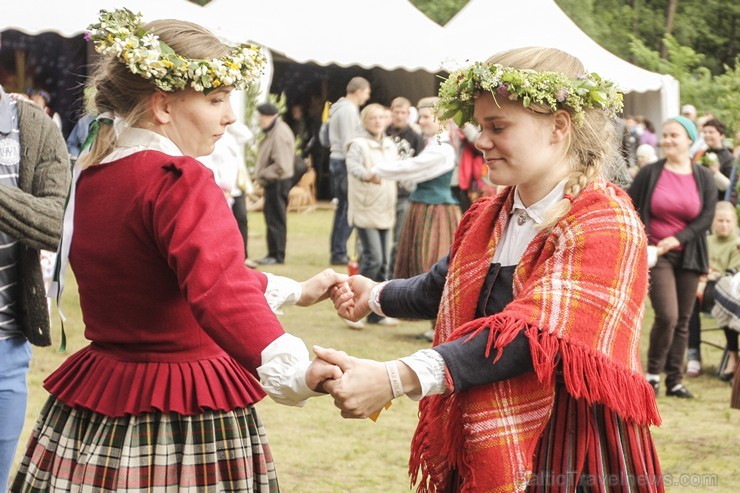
<point>429,367</point>
<point>281,291</point>
<point>374,301</point>
<point>283,371</point>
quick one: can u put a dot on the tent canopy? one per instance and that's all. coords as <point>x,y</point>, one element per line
<point>387,34</point>
<point>482,28</point>
<point>72,18</point>
<point>475,34</point>
<point>390,34</point>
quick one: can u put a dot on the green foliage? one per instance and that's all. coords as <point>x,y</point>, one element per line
<point>709,27</point>
<point>728,100</point>
<point>440,11</point>
<point>719,95</point>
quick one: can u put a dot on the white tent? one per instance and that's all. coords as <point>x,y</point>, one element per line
<point>484,27</point>
<point>391,34</point>
<point>72,18</point>
<point>391,39</point>
<point>384,34</point>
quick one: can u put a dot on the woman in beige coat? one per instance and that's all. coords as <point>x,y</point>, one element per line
<point>371,200</point>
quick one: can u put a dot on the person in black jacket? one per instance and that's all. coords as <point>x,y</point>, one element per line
<point>675,200</point>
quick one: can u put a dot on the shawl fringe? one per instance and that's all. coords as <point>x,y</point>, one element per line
<point>587,374</point>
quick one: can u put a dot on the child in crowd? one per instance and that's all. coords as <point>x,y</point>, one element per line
<point>723,256</point>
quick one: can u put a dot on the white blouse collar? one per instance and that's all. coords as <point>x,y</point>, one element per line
<point>134,139</point>
<point>538,210</point>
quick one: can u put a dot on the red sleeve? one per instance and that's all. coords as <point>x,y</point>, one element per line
<point>196,232</point>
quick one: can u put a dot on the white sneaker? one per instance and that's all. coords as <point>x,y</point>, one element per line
<point>354,325</point>
<point>389,321</point>
<point>693,368</point>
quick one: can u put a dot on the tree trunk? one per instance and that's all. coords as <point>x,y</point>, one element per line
<point>670,15</point>
<point>635,16</point>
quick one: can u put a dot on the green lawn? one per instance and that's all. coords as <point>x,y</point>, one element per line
<point>317,451</point>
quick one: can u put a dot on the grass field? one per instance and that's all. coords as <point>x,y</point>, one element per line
<point>317,451</point>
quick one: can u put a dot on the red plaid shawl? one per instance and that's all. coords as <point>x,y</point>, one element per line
<point>578,294</point>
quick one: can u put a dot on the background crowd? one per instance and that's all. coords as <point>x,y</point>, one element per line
<point>402,179</point>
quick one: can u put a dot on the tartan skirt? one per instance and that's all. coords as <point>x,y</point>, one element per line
<point>426,237</point>
<point>74,450</point>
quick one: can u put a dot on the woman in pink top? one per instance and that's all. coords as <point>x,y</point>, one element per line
<point>183,336</point>
<point>675,200</point>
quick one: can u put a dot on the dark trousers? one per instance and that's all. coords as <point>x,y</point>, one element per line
<point>673,295</point>
<point>402,205</point>
<point>239,208</point>
<point>276,215</point>
<point>733,337</point>
<point>374,258</point>
<point>341,230</point>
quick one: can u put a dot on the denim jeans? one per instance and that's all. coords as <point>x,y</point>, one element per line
<point>15,358</point>
<point>341,230</point>
<point>375,253</point>
<point>402,205</point>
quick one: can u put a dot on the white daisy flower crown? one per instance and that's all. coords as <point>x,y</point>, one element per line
<point>119,34</point>
<point>552,89</point>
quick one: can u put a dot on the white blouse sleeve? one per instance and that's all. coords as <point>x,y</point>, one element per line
<point>285,360</point>
<point>281,291</point>
<point>283,371</point>
<point>435,160</point>
<point>429,367</point>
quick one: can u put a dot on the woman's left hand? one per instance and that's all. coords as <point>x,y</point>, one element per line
<point>667,244</point>
<point>319,372</point>
<point>319,286</point>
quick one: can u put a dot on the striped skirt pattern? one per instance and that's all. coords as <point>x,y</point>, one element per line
<point>426,237</point>
<point>83,451</point>
<point>589,448</point>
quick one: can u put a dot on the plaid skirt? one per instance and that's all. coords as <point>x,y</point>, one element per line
<point>82,451</point>
<point>426,237</point>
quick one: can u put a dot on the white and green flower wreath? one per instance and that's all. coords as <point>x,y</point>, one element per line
<point>119,34</point>
<point>552,89</point>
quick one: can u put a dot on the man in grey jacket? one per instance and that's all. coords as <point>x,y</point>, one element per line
<point>274,172</point>
<point>34,181</point>
<point>345,124</point>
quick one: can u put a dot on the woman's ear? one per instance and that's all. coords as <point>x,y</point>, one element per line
<point>160,106</point>
<point>562,121</point>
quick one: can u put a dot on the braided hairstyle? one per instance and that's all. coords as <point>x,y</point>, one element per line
<point>593,147</point>
<point>126,95</point>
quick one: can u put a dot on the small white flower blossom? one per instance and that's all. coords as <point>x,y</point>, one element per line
<point>117,35</point>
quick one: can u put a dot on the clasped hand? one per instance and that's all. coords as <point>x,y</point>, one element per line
<point>362,386</point>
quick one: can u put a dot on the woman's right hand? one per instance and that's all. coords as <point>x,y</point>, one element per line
<point>351,298</point>
<point>362,389</point>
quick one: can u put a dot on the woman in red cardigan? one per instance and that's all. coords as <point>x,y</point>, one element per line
<point>534,381</point>
<point>183,335</point>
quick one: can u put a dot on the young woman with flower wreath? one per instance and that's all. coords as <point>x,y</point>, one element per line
<point>534,382</point>
<point>182,333</point>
